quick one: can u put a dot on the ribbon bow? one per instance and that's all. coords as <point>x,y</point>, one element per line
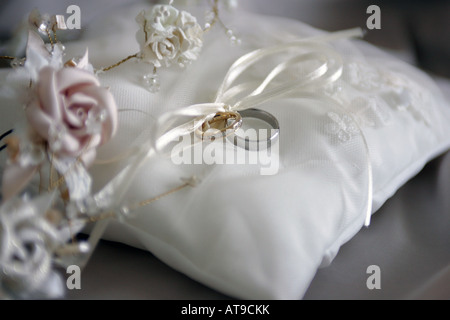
<point>314,50</point>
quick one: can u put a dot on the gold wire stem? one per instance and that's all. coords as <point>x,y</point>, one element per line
<point>41,186</point>
<point>108,215</point>
<point>57,183</point>
<point>145,31</point>
<point>120,62</point>
<point>101,217</point>
<point>149,201</point>
<point>61,180</point>
<point>72,235</point>
<point>7,57</point>
<point>50,178</point>
<point>47,30</point>
<point>215,9</point>
<point>222,23</point>
<point>54,31</point>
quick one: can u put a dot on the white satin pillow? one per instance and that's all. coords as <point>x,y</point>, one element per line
<point>263,237</point>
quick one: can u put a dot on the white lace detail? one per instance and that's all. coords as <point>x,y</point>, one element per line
<point>362,76</point>
<point>343,126</point>
<point>385,91</point>
<point>403,94</point>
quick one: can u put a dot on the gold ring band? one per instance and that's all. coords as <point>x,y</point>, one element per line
<point>219,126</point>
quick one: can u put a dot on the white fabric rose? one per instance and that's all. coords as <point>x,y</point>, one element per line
<point>168,36</point>
<point>28,239</point>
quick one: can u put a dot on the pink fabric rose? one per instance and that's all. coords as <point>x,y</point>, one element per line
<point>72,113</point>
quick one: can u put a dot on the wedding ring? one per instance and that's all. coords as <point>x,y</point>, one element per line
<point>255,143</point>
<point>221,125</point>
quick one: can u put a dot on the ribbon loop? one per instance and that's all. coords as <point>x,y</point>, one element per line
<point>325,67</point>
<point>329,69</point>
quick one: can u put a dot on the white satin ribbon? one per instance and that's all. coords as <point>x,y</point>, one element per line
<point>173,125</point>
<point>328,71</point>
